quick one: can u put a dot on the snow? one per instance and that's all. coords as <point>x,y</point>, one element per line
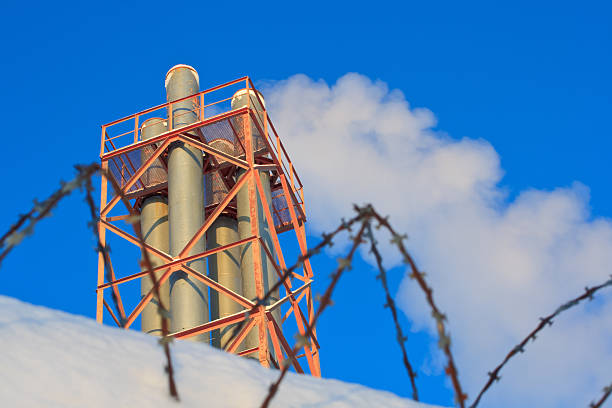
<point>50,358</point>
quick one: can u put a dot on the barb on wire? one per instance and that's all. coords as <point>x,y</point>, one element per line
<point>20,221</point>
<point>606,393</point>
<point>390,303</point>
<point>544,321</point>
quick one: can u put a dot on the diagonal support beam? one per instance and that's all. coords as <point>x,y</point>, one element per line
<point>215,214</point>
<point>137,175</point>
<point>116,289</point>
<point>290,296</point>
<point>275,340</point>
<point>145,300</point>
<point>242,301</point>
<point>215,152</point>
<point>273,261</point>
<point>247,352</point>
<point>111,313</point>
<point>270,220</point>
<point>286,316</point>
<point>301,321</point>
<point>215,324</point>
<point>296,227</point>
<point>177,262</point>
<point>241,335</point>
<point>286,347</point>
<point>135,241</point>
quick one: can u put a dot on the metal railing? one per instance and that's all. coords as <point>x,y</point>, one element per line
<point>123,135</point>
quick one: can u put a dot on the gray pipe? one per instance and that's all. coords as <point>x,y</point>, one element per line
<point>224,267</point>
<point>154,227</point>
<point>244,228</point>
<point>246,256</point>
<point>188,296</point>
<point>246,259</point>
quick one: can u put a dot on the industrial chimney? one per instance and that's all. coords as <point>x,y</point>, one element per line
<point>213,193</point>
<point>154,225</point>
<point>188,296</point>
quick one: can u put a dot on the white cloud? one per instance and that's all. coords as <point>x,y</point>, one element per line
<point>496,265</point>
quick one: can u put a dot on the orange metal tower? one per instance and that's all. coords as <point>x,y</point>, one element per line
<point>232,141</point>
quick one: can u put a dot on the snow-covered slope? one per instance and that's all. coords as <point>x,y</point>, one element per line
<point>53,359</point>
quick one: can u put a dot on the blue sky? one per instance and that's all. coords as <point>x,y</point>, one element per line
<point>531,79</point>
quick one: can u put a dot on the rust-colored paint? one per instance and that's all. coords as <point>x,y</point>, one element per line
<point>274,158</point>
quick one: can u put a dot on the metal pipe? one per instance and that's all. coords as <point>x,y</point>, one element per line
<point>267,265</point>
<point>224,267</point>
<point>154,227</point>
<point>241,99</point>
<point>188,296</point>
<point>246,258</point>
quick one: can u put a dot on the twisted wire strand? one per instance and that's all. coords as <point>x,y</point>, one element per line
<point>390,303</point>
<point>365,215</point>
<point>25,224</point>
<point>325,301</point>
<point>606,393</point>
<point>444,342</point>
<point>544,321</point>
<point>327,241</point>
<point>165,340</point>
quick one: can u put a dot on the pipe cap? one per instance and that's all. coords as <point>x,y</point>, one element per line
<point>243,91</point>
<point>171,71</point>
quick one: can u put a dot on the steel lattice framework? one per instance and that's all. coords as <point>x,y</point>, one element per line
<point>257,147</point>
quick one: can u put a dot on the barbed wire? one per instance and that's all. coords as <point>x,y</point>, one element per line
<point>444,341</point>
<point>327,241</point>
<point>324,302</point>
<point>15,235</point>
<point>25,224</point>
<point>163,311</point>
<point>390,303</point>
<point>544,321</point>
<point>366,215</point>
<point>606,393</point>
<point>18,231</point>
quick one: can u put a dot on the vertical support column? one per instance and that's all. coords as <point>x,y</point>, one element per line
<point>270,276</point>
<point>188,296</point>
<point>246,253</point>
<point>154,227</point>
<point>251,213</point>
<point>316,371</point>
<point>256,251</point>
<point>255,280</point>
<point>102,237</point>
<point>266,235</point>
<point>248,225</point>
